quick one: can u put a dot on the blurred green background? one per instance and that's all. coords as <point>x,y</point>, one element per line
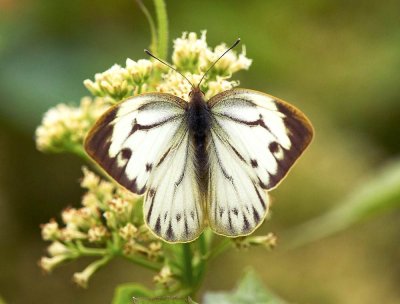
<point>338,61</point>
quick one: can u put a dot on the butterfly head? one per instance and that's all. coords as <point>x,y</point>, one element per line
<point>196,91</point>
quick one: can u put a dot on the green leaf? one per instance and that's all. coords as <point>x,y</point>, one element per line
<point>125,293</point>
<point>249,291</point>
<point>380,194</point>
<point>164,300</point>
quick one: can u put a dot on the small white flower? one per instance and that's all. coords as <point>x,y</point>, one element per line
<point>219,85</point>
<point>177,85</point>
<point>48,264</point>
<point>190,52</point>
<point>139,71</point>
<point>90,180</point>
<point>58,248</point>
<point>129,231</point>
<point>97,234</point>
<point>72,233</point>
<point>50,231</point>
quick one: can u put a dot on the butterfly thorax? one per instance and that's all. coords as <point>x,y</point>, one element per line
<point>199,121</point>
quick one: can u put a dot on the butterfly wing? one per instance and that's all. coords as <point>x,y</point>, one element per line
<point>255,139</point>
<point>143,144</point>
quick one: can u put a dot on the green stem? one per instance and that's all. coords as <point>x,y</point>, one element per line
<point>85,251</point>
<point>201,268</point>
<point>143,262</point>
<point>220,248</point>
<point>187,271</point>
<point>153,30</point>
<point>162,23</point>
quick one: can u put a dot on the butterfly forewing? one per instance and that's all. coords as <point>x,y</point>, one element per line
<point>255,139</point>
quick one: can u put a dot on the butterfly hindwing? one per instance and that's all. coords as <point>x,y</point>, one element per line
<point>255,139</point>
<point>173,205</point>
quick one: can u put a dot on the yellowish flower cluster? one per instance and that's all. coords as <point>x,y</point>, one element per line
<point>64,127</point>
<point>109,215</point>
<point>119,82</point>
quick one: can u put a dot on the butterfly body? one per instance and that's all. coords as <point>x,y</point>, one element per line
<point>199,124</point>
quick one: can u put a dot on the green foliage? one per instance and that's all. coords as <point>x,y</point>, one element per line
<point>249,291</point>
<point>380,194</point>
<point>124,293</point>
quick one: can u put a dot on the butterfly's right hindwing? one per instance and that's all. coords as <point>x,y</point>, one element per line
<point>143,144</point>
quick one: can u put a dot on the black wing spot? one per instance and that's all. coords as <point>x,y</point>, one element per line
<point>126,153</point>
<point>157,227</point>
<point>192,214</point>
<point>246,225</point>
<point>273,147</point>
<point>178,217</point>
<point>254,163</point>
<point>221,212</point>
<point>256,215</point>
<point>235,211</point>
<point>165,216</point>
<point>170,233</point>
<point>149,167</point>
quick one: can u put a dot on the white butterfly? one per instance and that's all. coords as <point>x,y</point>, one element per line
<point>200,162</point>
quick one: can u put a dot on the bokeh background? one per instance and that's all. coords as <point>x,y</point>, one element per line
<point>338,61</point>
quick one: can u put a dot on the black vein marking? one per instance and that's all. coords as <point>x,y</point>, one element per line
<point>260,198</point>
<point>254,163</point>
<point>164,156</point>
<point>152,193</point>
<point>230,222</point>
<point>149,167</point>
<point>186,228</point>
<point>256,216</point>
<point>170,233</point>
<point>246,225</point>
<point>237,153</point>
<point>178,217</point>
<point>136,126</point>
<point>157,227</point>
<point>235,211</point>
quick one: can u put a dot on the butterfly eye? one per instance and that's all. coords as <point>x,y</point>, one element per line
<point>190,93</point>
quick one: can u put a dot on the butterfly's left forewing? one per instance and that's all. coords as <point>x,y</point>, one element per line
<point>143,144</point>
<point>255,139</point>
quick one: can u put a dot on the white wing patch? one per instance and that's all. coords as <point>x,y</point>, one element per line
<point>255,139</point>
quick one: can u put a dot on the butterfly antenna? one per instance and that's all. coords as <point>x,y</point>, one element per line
<point>204,75</point>
<point>168,65</point>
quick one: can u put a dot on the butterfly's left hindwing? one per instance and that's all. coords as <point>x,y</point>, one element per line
<point>143,144</point>
<point>255,139</point>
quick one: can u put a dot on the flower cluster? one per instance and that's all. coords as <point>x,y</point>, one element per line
<point>64,127</point>
<point>109,223</point>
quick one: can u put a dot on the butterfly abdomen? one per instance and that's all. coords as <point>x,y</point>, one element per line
<point>199,121</point>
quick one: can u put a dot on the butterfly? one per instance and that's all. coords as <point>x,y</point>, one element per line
<point>200,162</point>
